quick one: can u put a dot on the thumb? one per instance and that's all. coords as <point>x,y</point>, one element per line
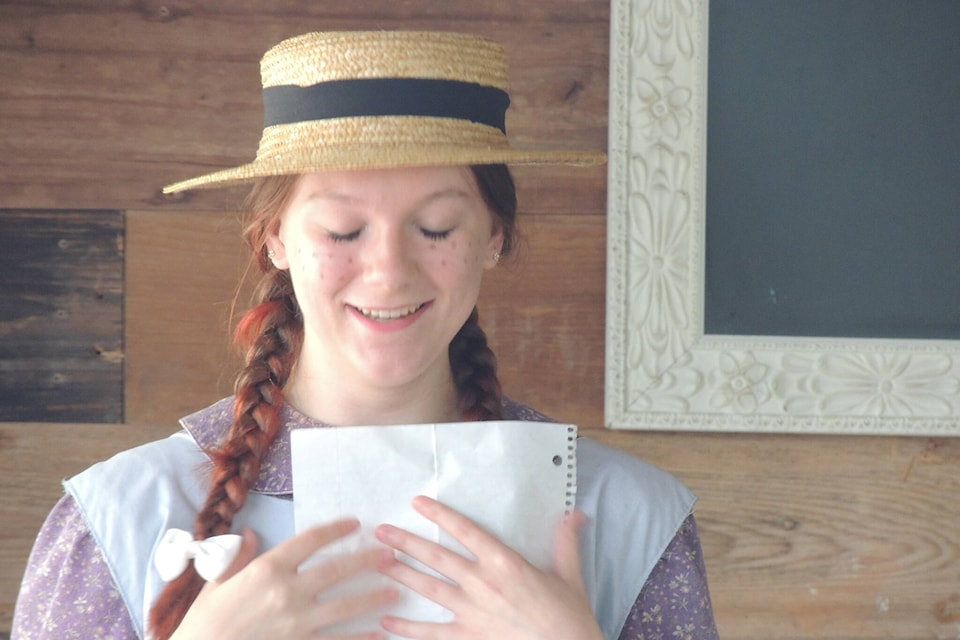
<point>566,559</point>
<point>248,551</point>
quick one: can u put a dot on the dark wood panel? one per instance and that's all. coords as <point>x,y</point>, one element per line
<point>61,316</point>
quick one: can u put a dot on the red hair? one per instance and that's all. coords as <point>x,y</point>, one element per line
<point>269,336</point>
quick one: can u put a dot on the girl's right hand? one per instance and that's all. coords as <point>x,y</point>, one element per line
<point>269,597</point>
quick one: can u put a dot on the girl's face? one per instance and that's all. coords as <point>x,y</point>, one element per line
<point>386,265</point>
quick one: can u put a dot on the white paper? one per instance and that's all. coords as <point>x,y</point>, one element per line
<point>516,479</point>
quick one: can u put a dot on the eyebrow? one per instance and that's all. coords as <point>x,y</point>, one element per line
<point>336,196</point>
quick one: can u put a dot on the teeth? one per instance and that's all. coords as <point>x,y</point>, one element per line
<point>393,314</point>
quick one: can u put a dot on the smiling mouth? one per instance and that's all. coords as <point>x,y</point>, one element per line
<point>383,315</point>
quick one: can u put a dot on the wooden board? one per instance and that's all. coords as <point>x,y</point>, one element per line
<point>104,101</point>
<point>145,94</point>
<point>185,280</point>
<point>183,276</point>
<point>61,316</point>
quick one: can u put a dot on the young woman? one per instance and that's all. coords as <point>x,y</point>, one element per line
<point>380,196</point>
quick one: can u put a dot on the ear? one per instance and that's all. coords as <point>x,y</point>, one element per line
<point>277,250</point>
<point>494,247</point>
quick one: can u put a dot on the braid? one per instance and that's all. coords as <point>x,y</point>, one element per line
<point>269,335</point>
<point>473,363</point>
<point>475,372</point>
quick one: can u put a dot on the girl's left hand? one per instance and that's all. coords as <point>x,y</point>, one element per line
<point>499,595</point>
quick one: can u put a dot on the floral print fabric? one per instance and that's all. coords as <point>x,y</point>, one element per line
<point>68,591</point>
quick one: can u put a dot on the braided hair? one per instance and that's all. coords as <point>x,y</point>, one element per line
<point>269,337</point>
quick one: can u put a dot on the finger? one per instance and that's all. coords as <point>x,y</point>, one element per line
<point>468,533</point>
<point>345,608</point>
<point>436,556</point>
<point>323,634</point>
<point>248,551</point>
<point>412,629</point>
<point>430,587</point>
<point>341,567</point>
<point>566,562</point>
<point>295,551</point>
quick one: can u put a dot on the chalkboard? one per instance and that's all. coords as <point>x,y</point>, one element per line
<point>833,168</point>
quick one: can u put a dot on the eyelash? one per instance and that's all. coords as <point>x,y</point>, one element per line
<point>435,235</point>
<point>427,233</point>
<point>344,237</point>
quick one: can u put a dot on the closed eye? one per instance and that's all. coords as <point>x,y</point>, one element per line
<point>435,235</point>
<point>344,237</point>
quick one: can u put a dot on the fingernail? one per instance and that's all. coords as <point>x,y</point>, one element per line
<point>422,502</point>
<point>349,524</point>
<point>384,532</point>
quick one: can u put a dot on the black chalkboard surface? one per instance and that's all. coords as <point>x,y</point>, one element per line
<point>833,168</point>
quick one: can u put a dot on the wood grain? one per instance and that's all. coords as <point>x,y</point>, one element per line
<point>813,537</point>
<point>104,101</point>
<point>61,316</point>
<point>185,281</point>
<point>822,536</point>
<point>148,93</point>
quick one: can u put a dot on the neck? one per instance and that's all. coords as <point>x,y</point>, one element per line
<point>340,402</point>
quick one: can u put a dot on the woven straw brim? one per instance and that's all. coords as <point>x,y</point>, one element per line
<point>385,142</point>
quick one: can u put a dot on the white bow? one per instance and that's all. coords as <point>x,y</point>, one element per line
<point>211,557</point>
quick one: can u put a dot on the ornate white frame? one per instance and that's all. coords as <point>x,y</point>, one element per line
<point>662,371</point>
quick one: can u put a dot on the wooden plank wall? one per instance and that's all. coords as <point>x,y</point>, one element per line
<point>104,101</point>
<point>61,322</point>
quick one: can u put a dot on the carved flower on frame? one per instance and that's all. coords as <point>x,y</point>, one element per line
<point>888,384</point>
<point>662,30</point>
<point>658,215</point>
<point>664,109</point>
<point>670,390</point>
<point>742,383</point>
<point>871,384</point>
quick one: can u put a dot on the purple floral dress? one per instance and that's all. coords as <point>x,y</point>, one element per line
<point>68,591</point>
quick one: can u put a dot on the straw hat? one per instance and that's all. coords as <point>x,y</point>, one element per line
<point>378,99</point>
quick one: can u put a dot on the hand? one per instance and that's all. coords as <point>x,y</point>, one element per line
<point>499,595</point>
<point>269,597</point>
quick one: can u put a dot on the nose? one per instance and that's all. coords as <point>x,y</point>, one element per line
<point>388,259</point>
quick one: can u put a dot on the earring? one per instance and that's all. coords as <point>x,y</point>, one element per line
<point>496,257</point>
<point>271,254</point>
